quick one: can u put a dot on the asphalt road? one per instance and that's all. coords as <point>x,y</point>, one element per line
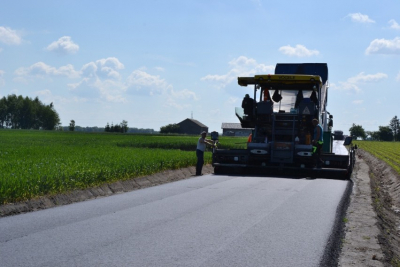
<point>204,221</point>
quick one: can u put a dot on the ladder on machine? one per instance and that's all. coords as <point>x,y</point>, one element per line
<point>283,135</point>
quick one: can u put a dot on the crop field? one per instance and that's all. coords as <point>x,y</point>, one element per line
<point>386,151</point>
<point>37,163</point>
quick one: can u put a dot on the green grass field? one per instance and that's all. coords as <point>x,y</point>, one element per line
<point>37,163</point>
<point>386,151</point>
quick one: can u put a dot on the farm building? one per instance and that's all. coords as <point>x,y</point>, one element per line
<point>235,129</point>
<point>191,126</point>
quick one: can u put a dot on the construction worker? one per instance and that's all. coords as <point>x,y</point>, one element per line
<point>250,138</point>
<point>247,105</point>
<point>267,96</point>
<point>201,147</point>
<point>317,143</point>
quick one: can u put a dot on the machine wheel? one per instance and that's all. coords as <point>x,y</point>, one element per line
<point>218,170</point>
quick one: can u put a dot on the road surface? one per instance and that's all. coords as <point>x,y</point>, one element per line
<point>203,221</point>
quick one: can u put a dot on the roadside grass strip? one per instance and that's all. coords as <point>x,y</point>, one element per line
<point>386,151</point>
<point>37,163</point>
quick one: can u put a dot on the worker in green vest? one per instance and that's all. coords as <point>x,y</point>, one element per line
<point>317,143</point>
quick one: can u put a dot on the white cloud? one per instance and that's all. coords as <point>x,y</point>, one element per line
<point>141,81</point>
<point>41,69</point>
<point>398,77</point>
<point>47,97</point>
<point>345,86</point>
<point>159,68</point>
<point>383,46</point>
<point>361,77</point>
<point>353,83</point>
<point>86,88</point>
<point>64,45</point>
<point>101,78</point>
<point>105,68</point>
<point>241,66</point>
<point>109,67</point>
<point>89,69</point>
<point>94,87</point>
<point>258,3</point>
<point>179,99</point>
<point>112,91</point>
<point>298,51</point>
<point>183,94</point>
<point>223,79</point>
<point>358,102</point>
<point>9,36</point>
<point>1,49</point>
<point>110,62</point>
<point>358,17</point>
<point>394,24</point>
<point>232,100</point>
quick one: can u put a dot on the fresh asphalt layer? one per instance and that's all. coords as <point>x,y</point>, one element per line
<point>211,220</point>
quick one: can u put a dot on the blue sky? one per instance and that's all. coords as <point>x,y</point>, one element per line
<point>156,62</point>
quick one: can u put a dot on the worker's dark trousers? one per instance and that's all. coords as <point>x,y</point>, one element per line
<point>200,161</point>
<point>317,155</point>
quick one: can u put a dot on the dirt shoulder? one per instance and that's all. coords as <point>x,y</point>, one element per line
<point>372,218</point>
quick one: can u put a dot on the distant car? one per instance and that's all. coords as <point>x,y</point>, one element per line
<point>338,135</point>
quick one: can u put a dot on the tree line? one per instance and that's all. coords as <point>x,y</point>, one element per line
<point>389,132</point>
<point>118,128</point>
<point>18,112</point>
<point>95,129</point>
<point>170,128</point>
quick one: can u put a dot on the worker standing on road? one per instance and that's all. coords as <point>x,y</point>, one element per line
<point>201,147</point>
<point>317,143</point>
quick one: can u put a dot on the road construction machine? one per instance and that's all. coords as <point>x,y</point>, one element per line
<point>280,112</point>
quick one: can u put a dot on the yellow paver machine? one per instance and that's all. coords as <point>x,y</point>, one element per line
<point>280,112</point>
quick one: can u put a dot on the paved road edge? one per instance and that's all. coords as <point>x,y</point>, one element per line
<point>104,190</point>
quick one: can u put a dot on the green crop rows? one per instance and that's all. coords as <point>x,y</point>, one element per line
<point>37,163</point>
<point>386,151</point>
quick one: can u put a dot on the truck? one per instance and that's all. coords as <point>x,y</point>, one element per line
<point>280,112</point>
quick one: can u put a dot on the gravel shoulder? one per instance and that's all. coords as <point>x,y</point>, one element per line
<point>372,220</point>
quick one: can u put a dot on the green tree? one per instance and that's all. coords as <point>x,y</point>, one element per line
<point>3,112</point>
<point>395,127</point>
<point>385,133</point>
<point>49,117</point>
<point>373,135</point>
<point>72,126</point>
<point>107,128</point>
<point>124,126</point>
<point>118,128</point>
<point>17,112</point>
<point>357,131</point>
<point>170,128</point>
